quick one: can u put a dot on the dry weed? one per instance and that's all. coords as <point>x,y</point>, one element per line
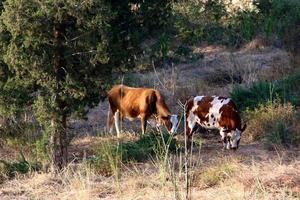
<point>264,118</point>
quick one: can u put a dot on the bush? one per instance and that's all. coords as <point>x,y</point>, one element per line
<point>107,160</point>
<point>213,22</point>
<point>21,166</point>
<point>280,15</point>
<point>286,90</point>
<point>242,27</point>
<point>20,132</point>
<point>250,98</point>
<point>273,123</point>
<point>218,22</point>
<point>281,136</point>
<point>197,21</point>
<point>28,135</point>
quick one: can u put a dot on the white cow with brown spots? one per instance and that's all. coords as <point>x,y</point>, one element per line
<point>213,112</point>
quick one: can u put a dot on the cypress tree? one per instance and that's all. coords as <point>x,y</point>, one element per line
<point>57,51</point>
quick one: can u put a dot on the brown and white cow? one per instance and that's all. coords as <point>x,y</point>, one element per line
<point>131,103</point>
<point>213,112</point>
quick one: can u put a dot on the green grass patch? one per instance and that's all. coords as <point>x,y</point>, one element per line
<point>21,166</point>
<point>109,156</point>
<point>286,90</point>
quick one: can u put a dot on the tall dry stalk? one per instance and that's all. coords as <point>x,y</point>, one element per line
<point>186,154</point>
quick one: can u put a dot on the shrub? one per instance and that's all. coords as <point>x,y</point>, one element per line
<point>286,90</point>
<point>17,133</point>
<point>214,22</point>
<point>197,21</point>
<point>279,136</point>
<point>272,123</point>
<point>28,135</point>
<point>245,23</point>
<point>257,93</point>
<point>160,50</point>
<point>107,160</point>
<point>280,15</point>
<point>41,147</point>
<point>21,166</point>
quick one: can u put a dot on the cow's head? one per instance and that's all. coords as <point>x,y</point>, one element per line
<point>234,138</point>
<point>171,122</point>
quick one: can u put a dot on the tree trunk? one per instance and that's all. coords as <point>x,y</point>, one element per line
<point>59,139</point>
<point>59,144</point>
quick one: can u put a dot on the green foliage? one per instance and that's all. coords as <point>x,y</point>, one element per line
<point>160,50</point>
<point>146,146</point>
<point>41,148</point>
<point>109,155</point>
<point>251,97</point>
<point>197,21</point>
<point>14,96</point>
<point>209,21</point>
<point>132,24</point>
<point>242,26</point>
<point>108,159</point>
<point>280,19</point>
<point>280,136</point>
<point>20,133</point>
<point>22,166</point>
<point>280,15</point>
<point>287,90</point>
<point>183,50</point>
<point>56,54</point>
<point>28,135</point>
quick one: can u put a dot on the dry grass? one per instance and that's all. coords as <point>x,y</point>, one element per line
<point>263,119</point>
<point>214,175</point>
<point>227,176</point>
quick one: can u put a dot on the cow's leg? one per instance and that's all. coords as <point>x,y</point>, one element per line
<point>110,121</point>
<point>189,133</point>
<point>224,139</point>
<point>117,122</point>
<point>143,123</point>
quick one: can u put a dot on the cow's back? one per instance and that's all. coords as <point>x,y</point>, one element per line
<point>131,102</point>
<point>214,112</point>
